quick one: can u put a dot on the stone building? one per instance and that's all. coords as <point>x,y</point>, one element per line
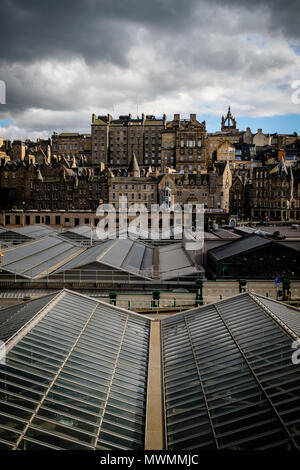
<point>38,151</point>
<point>292,151</point>
<point>241,158</point>
<point>228,133</point>
<point>16,183</point>
<point>18,150</point>
<point>51,187</point>
<point>115,140</point>
<point>4,151</point>
<point>138,188</point>
<point>72,145</point>
<point>184,144</point>
<point>237,198</point>
<point>260,139</point>
<point>210,188</point>
<point>153,129</point>
<point>281,140</point>
<point>275,193</point>
<point>247,136</point>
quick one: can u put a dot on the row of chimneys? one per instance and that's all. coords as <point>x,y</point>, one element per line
<point>128,117</point>
<point>192,117</point>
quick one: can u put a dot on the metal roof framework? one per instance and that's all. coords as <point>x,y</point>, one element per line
<point>77,376</point>
<point>30,232</point>
<point>15,317</point>
<point>137,258</point>
<point>288,315</point>
<point>37,258</point>
<point>229,379</point>
<point>236,247</point>
<point>80,233</point>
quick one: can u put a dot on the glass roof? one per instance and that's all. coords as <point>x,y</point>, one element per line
<point>39,257</point>
<point>229,379</point>
<point>13,318</point>
<point>77,379</point>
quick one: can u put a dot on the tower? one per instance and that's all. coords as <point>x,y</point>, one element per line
<point>228,122</point>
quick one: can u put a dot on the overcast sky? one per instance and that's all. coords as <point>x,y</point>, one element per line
<point>63,60</point>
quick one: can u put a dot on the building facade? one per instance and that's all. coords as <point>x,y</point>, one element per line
<point>275,193</point>
<point>184,144</point>
<point>115,140</point>
<point>72,145</point>
<point>51,187</point>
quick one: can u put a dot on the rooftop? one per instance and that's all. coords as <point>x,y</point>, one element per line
<point>241,245</point>
<point>135,257</point>
<point>36,259</point>
<point>76,376</point>
<point>29,232</point>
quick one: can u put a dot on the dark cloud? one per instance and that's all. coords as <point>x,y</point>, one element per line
<point>74,57</point>
<point>284,16</point>
<point>105,29</point>
<point>94,29</point>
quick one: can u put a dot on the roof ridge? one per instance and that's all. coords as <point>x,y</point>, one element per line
<point>273,315</point>
<point>183,312</point>
<point>128,254</point>
<point>108,248</point>
<point>124,310</point>
<point>33,320</point>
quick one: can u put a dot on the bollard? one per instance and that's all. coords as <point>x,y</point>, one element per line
<point>286,286</point>
<point>113,298</point>
<point>155,298</point>
<point>243,285</point>
<point>199,297</point>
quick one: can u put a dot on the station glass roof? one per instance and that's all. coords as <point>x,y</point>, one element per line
<point>76,379</point>
<point>76,375</point>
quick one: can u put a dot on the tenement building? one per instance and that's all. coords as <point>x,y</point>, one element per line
<point>241,157</point>
<point>30,151</point>
<point>70,145</point>
<point>138,187</point>
<point>237,197</point>
<point>115,140</point>
<point>184,144</point>
<point>275,193</point>
<point>51,187</point>
<point>210,188</point>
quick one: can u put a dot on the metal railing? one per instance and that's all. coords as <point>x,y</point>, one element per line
<point>172,303</point>
<point>86,276</point>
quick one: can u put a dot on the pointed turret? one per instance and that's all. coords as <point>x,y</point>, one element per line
<point>134,169</point>
<point>39,176</point>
